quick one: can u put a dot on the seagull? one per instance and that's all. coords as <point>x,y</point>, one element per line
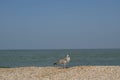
<point>63,61</point>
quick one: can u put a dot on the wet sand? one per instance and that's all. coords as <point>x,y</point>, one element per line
<point>57,73</point>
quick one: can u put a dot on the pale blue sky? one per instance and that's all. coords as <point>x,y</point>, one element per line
<point>59,24</point>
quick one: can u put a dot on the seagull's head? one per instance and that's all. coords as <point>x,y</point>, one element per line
<point>68,55</point>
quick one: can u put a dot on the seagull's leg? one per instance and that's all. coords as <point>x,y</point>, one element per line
<point>64,65</point>
<point>67,65</point>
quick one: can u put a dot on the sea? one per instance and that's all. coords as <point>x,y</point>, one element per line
<point>46,57</point>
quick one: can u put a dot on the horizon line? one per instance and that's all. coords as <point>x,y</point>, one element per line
<point>61,49</point>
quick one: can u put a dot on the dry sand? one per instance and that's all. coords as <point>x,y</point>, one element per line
<point>56,73</point>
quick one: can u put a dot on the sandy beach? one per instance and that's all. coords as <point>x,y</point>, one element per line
<point>57,73</point>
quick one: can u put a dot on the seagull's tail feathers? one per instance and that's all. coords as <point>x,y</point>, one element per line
<point>55,63</point>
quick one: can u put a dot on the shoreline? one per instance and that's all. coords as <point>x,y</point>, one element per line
<point>58,73</point>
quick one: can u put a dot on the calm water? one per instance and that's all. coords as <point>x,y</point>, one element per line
<point>17,58</point>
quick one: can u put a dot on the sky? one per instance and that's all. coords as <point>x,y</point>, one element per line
<point>59,24</point>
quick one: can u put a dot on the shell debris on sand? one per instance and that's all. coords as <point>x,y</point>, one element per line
<point>57,73</point>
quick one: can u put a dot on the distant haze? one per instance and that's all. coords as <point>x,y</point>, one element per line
<point>59,24</point>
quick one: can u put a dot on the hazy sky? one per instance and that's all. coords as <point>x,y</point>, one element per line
<point>59,24</point>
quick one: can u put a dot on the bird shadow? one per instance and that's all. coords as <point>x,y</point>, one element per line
<point>64,67</point>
